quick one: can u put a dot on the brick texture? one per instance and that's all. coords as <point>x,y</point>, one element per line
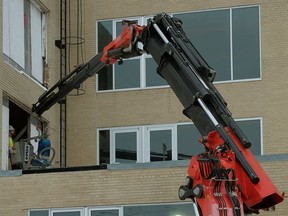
<point>266,98</point>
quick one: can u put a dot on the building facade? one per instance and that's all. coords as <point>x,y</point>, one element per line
<point>127,144</point>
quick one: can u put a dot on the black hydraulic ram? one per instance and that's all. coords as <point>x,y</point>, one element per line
<point>191,79</point>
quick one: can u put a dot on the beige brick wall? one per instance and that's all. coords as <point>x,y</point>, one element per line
<point>265,98</point>
<point>107,188</point>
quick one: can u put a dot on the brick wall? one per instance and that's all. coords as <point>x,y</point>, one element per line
<point>108,188</point>
<point>265,98</point>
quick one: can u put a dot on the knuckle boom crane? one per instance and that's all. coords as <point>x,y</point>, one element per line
<point>224,180</point>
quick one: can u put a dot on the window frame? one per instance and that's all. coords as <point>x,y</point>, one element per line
<point>143,139</point>
<point>232,80</point>
<point>146,137</point>
<point>112,144</point>
<point>90,209</point>
<point>115,131</point>
<point>66,210</point>
<point>142,59</point>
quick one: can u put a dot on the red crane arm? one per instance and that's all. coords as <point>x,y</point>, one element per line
<point>125,45</point>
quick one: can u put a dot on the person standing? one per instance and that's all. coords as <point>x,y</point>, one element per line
<point>11,144</point>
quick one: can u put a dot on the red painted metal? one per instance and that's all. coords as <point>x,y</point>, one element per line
<point>215,200</point>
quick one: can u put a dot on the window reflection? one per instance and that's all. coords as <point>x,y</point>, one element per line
<point>111,212</point>
<point>161,145</point>
<point>160,210</point>
<point>188,141</point>
<point>209,32</point>
<point>126,147</point>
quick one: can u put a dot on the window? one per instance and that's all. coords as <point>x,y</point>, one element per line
<point>163,142</point>
<point>112,212</point>
<point>24,37</point>
<point>252,128</point>
<point>228,39</point>
<point>13,32</point>
<point>160,210</point>
<point>164,209</point>
<point>70,212</point>
<point>137,72</point>
<point>187,141</point>
<point>125,147</point>
<point>56,212</point>
<point>105,212</point>
<point>39,213</point>
<point>120,145</point>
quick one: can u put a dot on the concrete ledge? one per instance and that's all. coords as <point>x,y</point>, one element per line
<point>10,173</point>
<point>273,157</point>
<point>185,163</point>
<point>150,165</point>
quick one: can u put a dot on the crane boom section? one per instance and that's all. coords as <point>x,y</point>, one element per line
<point>227,176</point>
<point>190,77</point>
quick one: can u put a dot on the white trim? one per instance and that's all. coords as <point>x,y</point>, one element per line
<point>80,210</point>
<point>173,129</point>
<point>36,43</point>
<point>217,9</point>
<point>260,42</point>
<point>113,132</point>
<point>5,133</point>
<point>90,209</point>
<point>231,44</point>
<point>34,132</point>
<point>40,6</point>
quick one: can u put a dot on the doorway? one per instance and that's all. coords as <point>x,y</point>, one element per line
<point>18,118</point>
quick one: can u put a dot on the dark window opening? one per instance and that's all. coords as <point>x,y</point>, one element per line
<point>104,146</point>
<point>18,118</point>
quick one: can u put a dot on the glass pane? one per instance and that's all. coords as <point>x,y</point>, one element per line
<point>246,47</point>
<point>209,32</point>
<point>72,213</point>
<point>112,212</point>
<point>126,147</point>
<point>160,145</point>
<point>127,75</point>
<point>105,76</point>
<point>152,77</point>
<point>104,146</point>
<point>187,141</point>
<point>104,34</point>
<point>119,26</point>
<point>160,210</point>
<point>252,129</point>
<point>39,213</point>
